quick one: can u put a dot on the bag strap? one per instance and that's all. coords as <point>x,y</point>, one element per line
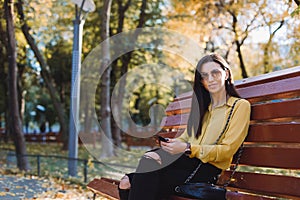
<point>240,151</point>
<point>222,133</point>
<point>227,122</point>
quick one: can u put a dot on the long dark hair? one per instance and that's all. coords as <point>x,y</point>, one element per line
<point>201,97</point>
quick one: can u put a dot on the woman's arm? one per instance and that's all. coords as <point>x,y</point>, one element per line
<point>233,137</point>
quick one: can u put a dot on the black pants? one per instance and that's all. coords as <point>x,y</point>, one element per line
<point>151,181</point>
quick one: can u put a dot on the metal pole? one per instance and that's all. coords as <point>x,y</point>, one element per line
<point>75,94</point>
<point>85,170</point>
<point>38,165</point>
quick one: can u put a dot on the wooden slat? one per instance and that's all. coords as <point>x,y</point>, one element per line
<point>259,80</point>
<point>186,95</point>
<point>175,121</point>
<point>104,187</point>
<point>233,195</point>
<point>178,107</point>
<point>274,132</point>
<point>279,89</point>
<point>113,181</point>
<point>277,157</point>
<point>263,183</point>
<point>284,109</point>
<point>275,79</point>
<point>272,90</point>
<point>270,77</point>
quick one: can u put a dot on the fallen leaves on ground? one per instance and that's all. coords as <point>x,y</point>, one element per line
<point>18,186</point>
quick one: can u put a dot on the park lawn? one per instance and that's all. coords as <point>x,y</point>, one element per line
<point>53,161</point>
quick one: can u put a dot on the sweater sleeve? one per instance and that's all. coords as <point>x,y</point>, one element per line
<point>234,136</point>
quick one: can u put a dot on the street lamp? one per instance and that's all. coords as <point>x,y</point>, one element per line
<point>83,7</point>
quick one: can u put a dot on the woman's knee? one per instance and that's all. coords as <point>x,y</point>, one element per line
<point>153,155</point>
<point>150,161</point>
<point>124,183</point>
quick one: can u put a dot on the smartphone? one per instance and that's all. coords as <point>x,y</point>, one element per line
<point>160,138</point>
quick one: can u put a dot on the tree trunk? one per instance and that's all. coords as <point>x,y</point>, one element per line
<point>242,64</point>
<point>3,75</point>
<point>266,59</point>
<point>107,145</point>
<point>15,120</point>
<point>238,44</point>
<point>62,118</point>
<point>116,131</point>
<point>87,114</point>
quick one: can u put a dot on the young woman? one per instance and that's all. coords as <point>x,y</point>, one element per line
<point>161,170</point>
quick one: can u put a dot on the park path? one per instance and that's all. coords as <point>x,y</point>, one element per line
<point>20,187</point>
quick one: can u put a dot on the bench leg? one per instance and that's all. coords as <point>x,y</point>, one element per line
<point>94,196</point>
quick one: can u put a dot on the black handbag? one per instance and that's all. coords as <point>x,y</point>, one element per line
<point>207,190</point>
<point>201,191</point>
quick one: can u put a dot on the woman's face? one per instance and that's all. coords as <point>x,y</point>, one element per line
<point>213,77</point>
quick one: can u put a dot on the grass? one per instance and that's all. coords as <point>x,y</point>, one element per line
<point>56,166</point>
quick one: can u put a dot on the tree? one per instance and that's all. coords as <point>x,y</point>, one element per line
<point>45,74</point>
<point>60,62</point>
<point>107,149</point>
<point>297,10</point>
<point>15,123</point>
<point>231,28</point>
<point>243,20</point>
<point>3,73</point>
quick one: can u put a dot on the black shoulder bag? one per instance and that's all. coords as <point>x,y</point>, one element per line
<point>207,190</point>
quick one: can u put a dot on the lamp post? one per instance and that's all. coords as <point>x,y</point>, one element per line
<point>83,7</point>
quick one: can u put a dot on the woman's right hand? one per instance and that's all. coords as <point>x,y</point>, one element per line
<point>173,146</point>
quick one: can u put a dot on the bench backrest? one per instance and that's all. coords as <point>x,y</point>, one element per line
<point>270,163</point>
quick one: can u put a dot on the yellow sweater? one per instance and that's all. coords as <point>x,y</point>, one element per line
<point>220,155</point>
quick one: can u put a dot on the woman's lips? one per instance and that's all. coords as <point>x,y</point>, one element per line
<point>212,85</point>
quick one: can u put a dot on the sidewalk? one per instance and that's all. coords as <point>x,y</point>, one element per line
<point>16,187</point>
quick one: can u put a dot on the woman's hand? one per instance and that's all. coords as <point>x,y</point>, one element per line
<point>173,146</point>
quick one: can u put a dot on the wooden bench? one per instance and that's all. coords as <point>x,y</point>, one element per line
<point>270,164</point>
<point>48,137</point>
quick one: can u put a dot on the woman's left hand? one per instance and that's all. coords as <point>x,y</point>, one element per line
<point>173,146</point>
